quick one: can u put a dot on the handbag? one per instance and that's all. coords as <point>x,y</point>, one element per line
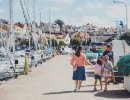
<point>74,68</point>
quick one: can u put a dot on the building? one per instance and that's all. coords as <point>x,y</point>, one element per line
<point>23,26</point>
<point>65,38</point>
<point>70,29</point>
<point>55,28</point>
<point>80,35</point>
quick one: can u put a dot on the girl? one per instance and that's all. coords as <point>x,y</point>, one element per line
<point>107,65</point>
<point>98,73</point>
<point>79,60</point>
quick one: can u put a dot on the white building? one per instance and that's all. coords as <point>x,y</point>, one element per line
<point>55,28</point>
<point>83,29</point>
<point>65,38</point>
<point>18,30</point>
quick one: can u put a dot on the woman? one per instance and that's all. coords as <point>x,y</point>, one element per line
<point>79,60</point>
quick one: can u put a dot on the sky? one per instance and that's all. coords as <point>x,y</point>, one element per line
<point>102,13</point>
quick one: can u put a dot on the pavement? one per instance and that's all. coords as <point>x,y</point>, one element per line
<point>53,81</point>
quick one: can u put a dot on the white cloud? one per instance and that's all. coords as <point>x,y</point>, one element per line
<point>101,22</point>
<point>62,1</point>
<point>78,9</point>
<point>94,5</point>
<point>125,1</point>
<point>96,21</point>
<point>117,12</point>
<point>1,11</point>
<point>52,9</point>
<point>1,1</point>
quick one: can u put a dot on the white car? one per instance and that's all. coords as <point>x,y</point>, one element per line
<point>69,51</point>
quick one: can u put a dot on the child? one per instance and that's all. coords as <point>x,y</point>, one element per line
<point>107,65</point>
<point>98,73</point>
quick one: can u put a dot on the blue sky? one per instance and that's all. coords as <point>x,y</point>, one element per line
<point>73,12</point>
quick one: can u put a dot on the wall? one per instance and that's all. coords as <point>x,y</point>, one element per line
<point>99,38</point>
<point>120,47</point>
<point>127,83</point>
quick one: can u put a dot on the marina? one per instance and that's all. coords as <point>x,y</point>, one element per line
<point>44,45</point>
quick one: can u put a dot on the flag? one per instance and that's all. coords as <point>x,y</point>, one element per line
<point>121,23</point>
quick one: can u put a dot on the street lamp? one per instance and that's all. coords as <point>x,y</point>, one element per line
<point>126,12</point>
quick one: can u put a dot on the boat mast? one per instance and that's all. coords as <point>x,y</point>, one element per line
<point>12,36</point>
<point>50,27</point>
<point>40,29</point>
<point>34,20</point>
<point>34,12</point>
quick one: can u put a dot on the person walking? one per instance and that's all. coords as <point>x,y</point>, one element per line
<point>110,54</point>
<point>98,73</point>
<point>107,65</point>
<point>79,60</point>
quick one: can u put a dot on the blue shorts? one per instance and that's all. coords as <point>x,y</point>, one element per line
<point>98,77</point>
<point>79,74</point>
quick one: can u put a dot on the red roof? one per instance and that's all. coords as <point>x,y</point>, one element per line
<point>16,26</point>
<point>47,36</point>
<point>79,34</point>
<point>4,21</point>
<point>61,36</point>
<point>55,32</point>
<point>20,24</point>
<point>3,30</point>
<point>8,25</point>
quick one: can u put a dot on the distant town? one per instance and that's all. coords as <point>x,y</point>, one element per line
<point>58,31</point>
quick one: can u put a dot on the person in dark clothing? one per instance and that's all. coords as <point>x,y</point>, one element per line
<point>110,53</point>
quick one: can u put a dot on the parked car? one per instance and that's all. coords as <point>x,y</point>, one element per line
<point>68,51</point>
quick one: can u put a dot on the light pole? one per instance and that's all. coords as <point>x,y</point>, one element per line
<point>126,12</point>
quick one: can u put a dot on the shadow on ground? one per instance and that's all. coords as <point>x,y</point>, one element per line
<point>61,92</point>
<point>89,85</point>
<point>67,92</point>
<point>114,94</point>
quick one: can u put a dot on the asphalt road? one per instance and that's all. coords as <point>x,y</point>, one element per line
<point>53,81</point>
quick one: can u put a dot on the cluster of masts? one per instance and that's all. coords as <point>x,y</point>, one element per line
<point>31,24</point>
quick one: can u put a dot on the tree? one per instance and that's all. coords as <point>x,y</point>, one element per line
<point>54,42</point>
<point>75,42</point>
<point>26,42</point>
<point>60,23</point>
<point>61,43</point>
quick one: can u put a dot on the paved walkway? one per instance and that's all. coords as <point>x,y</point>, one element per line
<point>53,81</point>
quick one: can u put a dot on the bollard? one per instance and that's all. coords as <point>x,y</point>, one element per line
<point>54,52</point>
<point>26,65</point>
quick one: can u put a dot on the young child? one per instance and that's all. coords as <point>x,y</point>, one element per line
<point>98,73</point>
<point>107,65</point>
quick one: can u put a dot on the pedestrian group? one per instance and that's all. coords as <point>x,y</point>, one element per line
<point>102,68</point>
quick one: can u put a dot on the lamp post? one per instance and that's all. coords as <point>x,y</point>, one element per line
<point>126,12</point>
